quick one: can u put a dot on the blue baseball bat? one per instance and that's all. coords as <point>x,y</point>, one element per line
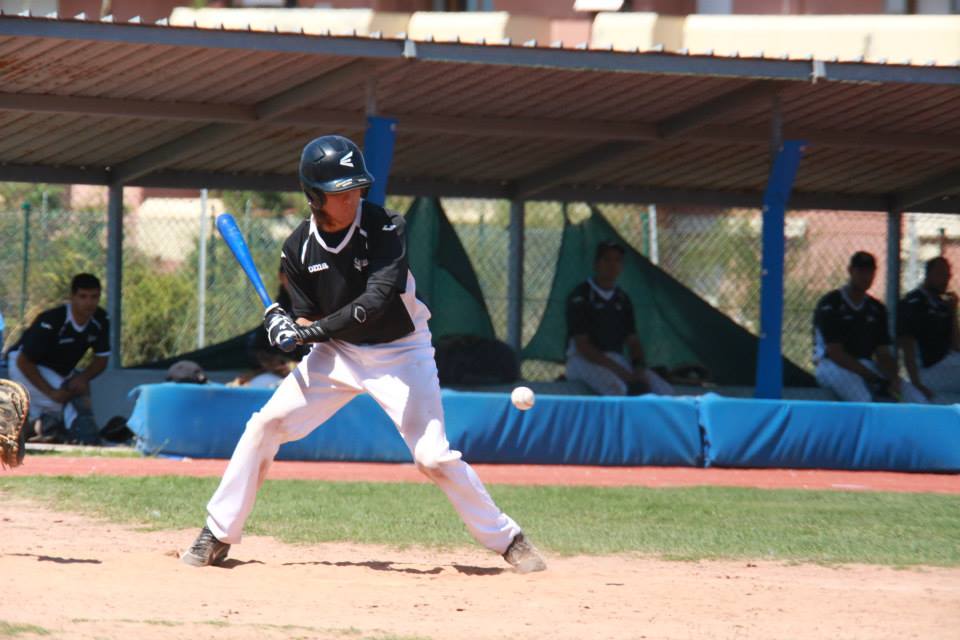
<point>228,228</point>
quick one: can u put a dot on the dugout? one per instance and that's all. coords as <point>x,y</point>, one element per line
<point>103,103</point>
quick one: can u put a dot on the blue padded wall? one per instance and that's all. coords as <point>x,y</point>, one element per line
<point>829,435</point>
<point>205,421</point>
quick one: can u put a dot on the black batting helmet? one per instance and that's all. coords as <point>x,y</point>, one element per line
<point>330,164</point>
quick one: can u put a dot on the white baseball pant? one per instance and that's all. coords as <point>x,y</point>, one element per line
<point>605,382</point>
<point>852,388</point>
<point>40,403</point>
<point>402,377</point>
<point>943,376</point>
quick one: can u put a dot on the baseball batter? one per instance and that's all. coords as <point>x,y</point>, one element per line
<point>354,300</point>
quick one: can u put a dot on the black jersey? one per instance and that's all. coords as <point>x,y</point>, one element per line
<point>928,319</point>
<point>605,317</point>
<point>354,288</point>
<point>859,329</point>
<point>56,341</point>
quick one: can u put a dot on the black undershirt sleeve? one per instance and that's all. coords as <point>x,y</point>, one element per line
<point>39,338</point>
<point>907,318</point>
<point>102,345</point>
<point>827,322</point>
<point>578,319</point>
<point>883,330</point>
<point>631,319</point>
<point>387,278</point>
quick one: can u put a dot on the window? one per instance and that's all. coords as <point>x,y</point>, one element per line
<point>928,7</point>
<point>463,5</point>
<point>723,7</point>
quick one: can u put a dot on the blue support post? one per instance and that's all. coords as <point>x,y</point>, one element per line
<point>378,152</point>
<point>769,355</point>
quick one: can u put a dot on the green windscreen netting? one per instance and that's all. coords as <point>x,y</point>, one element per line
<point>676,326</point>
<point>445,278</point>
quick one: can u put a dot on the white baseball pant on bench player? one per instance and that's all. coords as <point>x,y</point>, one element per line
<point>943,376</point>
<point>851,387</point>
<point>402,377</point>
<point>40,403</point>
<point>604,381</point>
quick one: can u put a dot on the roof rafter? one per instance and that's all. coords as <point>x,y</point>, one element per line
<point>925,193</point>
<point>432,187</point>
<point>350,73</point>
<point>565,129</point>
<point>672,127</point>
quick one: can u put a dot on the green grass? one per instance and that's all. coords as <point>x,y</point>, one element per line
<point>681,524</point>
<point>84,452</point>
<point>11,630</point>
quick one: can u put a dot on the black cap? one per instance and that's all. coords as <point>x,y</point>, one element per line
<point>608,245</point>
<point>186,371</point>
<point>863,260</point>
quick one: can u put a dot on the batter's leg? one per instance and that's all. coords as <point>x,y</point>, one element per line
<point>410,394</point>
<point>320,385</point>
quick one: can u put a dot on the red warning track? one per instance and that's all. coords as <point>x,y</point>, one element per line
<point>512,474</point>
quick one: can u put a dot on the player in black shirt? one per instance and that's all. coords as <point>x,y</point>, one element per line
<point>852,350</point>
<point>44,359</point>
<point>928,333</point>
<point>354,299</point>
<point>600,323</point>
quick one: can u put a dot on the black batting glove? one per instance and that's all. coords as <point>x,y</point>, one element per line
<point>282,331</point>
<point>313,333</point>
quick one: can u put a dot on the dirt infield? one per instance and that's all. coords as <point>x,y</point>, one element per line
<point>78,578</point>
<point>514,474</point>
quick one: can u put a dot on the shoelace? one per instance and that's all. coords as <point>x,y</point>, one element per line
<point>204,540</point>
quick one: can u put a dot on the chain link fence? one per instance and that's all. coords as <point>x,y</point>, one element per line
<point>162,273</point>
<point>715,253</point>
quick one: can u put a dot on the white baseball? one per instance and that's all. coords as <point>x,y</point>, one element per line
<point>522,398</point>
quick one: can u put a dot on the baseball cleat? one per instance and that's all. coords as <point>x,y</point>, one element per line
<point>206,550</point>
<point>524,556</point>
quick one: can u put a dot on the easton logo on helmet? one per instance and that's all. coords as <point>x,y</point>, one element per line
<point>347,160</point>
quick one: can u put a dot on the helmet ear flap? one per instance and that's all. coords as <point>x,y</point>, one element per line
<point>315,196</point>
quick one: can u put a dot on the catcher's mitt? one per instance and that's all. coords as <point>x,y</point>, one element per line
<point>14,409</point>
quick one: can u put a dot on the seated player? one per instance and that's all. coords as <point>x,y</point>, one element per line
<point>45,358</point>
<point>852,350</point>
<point>600,323</point>
<point>928,333</point>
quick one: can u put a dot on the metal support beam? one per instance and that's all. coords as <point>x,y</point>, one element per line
<point>730,102</point>
<point>592,158</point>
<point>673,127</point>
<point>944,184</point>
<point>169,153</point>
<point>378,152</point>
<point>558,129</point>
<point>211,135</point>
<point>769,382</point>
<point>124,108</point>
<point>115,272</point>
<point>352,73</point>
<point>515,277</point>
<point>894,237</point>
